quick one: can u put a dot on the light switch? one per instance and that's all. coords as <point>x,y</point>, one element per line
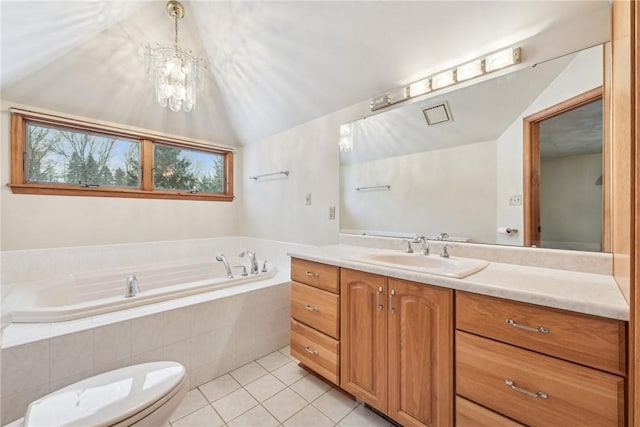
<point>332,212</point>
<point>308,200</point>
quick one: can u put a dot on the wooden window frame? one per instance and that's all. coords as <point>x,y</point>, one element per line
<point>19,184</point>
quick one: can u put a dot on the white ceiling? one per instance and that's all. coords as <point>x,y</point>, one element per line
<point>272,65</point>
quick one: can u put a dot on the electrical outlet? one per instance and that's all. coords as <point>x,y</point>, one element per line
<point>308,200</point>
<point>515,200</point>
<point>332,212</point>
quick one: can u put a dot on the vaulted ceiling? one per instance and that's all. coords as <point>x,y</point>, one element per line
<point>271,65</point>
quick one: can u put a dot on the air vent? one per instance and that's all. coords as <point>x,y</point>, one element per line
<point>437,114</point>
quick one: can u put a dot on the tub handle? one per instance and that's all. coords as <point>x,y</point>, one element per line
<point>244,269</point>
<point>310,274</point>
<point>310,350</point>
<point>310,308</point>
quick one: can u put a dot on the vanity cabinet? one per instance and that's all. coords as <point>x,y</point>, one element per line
<point>315,317</point>
<point>537,365</point>
<point>397,343</point>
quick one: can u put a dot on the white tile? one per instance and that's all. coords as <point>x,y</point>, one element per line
<point>176,325</point>
<point>193,401</point>
<point>363,417</point>
<point>70,354</point>
<point>155,355</point>
<point>286,350</point>
<point>248,373</point>
<point>309,417</point>
<point>265,387</point>
<point>225,343</point>
<point>116,364</point>
<point>24,367</point>
<point>273,361</point>
<point>201,350</point>
<point>310,387</point>
<point>334,404</point>
<point>256,417</point>
<point>146,333</point>
<point>201,374</point>
<point>203,417</point>
<point>284,404</point>
<point>290,373</point>
<point>214,390</point>
<point>179,352</point>
<point>234,404</point>
<point>111,343</point>
<point>203,315</point>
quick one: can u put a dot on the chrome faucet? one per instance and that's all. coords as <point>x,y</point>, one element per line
<point>424,244</point>
<point>445,252</point>
<point>408,249</point>
<point>227,269</point>
<point>441,236</point>
<point>133,288</point>
<point>252,259</point>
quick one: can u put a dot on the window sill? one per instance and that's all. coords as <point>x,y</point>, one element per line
<point>64,190</point>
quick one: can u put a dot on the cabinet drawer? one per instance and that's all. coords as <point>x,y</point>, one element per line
<point>573,394</point>
<point>589,340</point>
<point>469,414</point>
<point>318,275</point>
<point>315,350</point>
<point>316,308</point>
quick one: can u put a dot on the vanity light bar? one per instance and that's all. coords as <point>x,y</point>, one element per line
<point>467,71</point>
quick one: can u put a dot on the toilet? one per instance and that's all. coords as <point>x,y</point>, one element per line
<point>138,395</point>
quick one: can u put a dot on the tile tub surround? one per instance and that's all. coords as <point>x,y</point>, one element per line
<point>586,262</point>
<point>588,293</point>
<point>210,338</point>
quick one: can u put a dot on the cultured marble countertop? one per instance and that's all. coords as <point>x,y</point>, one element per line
<point>589,293</point>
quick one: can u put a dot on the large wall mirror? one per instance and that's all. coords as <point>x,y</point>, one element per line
<point>461,164</point>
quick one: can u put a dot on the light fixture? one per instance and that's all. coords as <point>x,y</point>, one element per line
<point>467,71</point>
<point>177,74</point>
<point>346,139</point>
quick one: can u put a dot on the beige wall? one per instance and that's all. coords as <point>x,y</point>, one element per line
<point>33,221</point>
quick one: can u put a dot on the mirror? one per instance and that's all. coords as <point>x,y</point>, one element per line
<point>453,163</point>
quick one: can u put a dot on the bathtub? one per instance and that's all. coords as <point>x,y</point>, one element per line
<point>82,295</point>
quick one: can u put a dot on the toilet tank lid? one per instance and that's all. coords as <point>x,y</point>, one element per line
<point>106,398</point>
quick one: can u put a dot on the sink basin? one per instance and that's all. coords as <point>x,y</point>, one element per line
<point>432,264</point>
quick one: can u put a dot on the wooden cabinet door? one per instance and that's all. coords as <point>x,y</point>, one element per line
<point>420,331</point>
<point>363,355</point>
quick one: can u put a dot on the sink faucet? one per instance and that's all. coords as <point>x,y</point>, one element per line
<point>424,244</point>
<point>133,288</point>
<point>445,252</point>
<point>224,262</point>
<point>441,236</point>
<point>252,260</point>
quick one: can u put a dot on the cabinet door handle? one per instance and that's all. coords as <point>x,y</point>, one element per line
<point>380,291</point>
<point>310,350</point>
<point>310,308</point>
<point>540,329</point>
<point>310,274</point>
<point>537,394</point>
<point>391,295</point>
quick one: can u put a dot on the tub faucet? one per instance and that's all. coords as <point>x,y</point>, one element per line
<point>227,269</point>
<point>133,288</point>
<point>252,260</point>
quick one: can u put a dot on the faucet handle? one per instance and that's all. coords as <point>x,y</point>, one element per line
<point>244,269</point>
<point>408,249</point>
<point>445,253</point>
<point>264,267</point>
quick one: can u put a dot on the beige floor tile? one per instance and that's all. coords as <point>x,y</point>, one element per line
<point>284,404</point>
<point>310,387</point>
<point>193,401</point>
<point>309,417</point>
<point>203,417</point>
<point>219,387</point>
<point>234,404</point>
<point>286,350</point>
<point>290,373</point>
<point>334,404</point>
<point>273,361</point>
<point>256,417</point>
<point>363,417</point>
<point>248,373</point>
<point>265,387</point>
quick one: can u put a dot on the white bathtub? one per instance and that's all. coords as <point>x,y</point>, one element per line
<point>89,294</point>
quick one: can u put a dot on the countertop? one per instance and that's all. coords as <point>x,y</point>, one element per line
<point>588,293</point>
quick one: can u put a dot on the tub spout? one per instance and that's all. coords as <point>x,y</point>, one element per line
<point>133,288</point>
<point>253,260</point>
<point>224,262</point>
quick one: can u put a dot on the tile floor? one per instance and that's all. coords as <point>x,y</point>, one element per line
<point>271,391</point>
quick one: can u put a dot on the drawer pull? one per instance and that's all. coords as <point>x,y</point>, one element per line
<point>541,329</point>
<point>391,295</point>
<point>310,308</point>
<point>380,290</point>
<point>310,350</point>
<point>540,394</point>
<point>310,274</point>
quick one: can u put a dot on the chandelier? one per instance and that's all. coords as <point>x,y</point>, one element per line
<point>178,75</point>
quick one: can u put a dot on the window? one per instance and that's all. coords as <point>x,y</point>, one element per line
<point>56,155</point>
